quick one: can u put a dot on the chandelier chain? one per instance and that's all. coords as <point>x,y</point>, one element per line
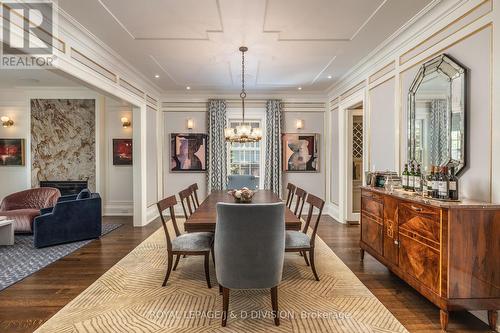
<point>243,92</point>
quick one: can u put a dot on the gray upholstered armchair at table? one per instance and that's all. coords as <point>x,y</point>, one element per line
<point>236,182</point>
<point>249,249</point>
<point>73,218</point>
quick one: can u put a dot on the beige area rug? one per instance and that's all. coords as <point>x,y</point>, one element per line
<point>129,298</point>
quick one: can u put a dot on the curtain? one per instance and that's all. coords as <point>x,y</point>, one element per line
<point>217,162</point>
<point>274,124</point>
<point>438,129</point>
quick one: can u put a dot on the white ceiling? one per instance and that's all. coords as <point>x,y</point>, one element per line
<point>32,78</point>
<point>195,43</point>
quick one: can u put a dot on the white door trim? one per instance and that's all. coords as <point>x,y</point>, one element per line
<point>357,98</point>
<point>350,216</point>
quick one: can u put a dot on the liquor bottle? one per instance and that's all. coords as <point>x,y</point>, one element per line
<point>443,184</point>
<point>411,179</point>
<point>418,180</point>
<point>404,177</point>
<point>430,180</point>
<point>453,184</point>
<point>435,183</point>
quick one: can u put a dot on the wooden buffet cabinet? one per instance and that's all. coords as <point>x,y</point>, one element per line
<point>448,252</point>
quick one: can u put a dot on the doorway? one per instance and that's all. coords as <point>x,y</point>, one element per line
<point>354,156</point>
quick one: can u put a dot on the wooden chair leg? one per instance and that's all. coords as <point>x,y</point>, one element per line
<point>492,319</point>
<point>443,318</point>
<point>313,267</point>
<point>361,254</point>
<point>207,272</point>
<point>305,258</point>
<point>176,262</point>
<point>169,268</point>
<point>225,305</point>
<point>213,255</point>
<point>274,302</point>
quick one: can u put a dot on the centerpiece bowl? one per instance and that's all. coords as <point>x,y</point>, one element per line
<point>243,195</point>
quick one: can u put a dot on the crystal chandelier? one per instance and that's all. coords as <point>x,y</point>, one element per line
<point>244,132</point>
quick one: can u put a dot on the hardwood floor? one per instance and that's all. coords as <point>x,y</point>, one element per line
<point>27,304</point>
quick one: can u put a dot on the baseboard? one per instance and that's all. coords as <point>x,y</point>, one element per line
<point>118,208</point>
<point>152,214</point>
<point>332,210</point>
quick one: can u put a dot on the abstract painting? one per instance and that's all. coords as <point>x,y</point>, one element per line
<point>300,152</point>
<point>11,152</point>
<point>188,152</point>
<point>122,151</point>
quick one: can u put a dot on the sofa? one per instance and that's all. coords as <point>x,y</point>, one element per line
<point>73,218</point>
<point>24,206</point>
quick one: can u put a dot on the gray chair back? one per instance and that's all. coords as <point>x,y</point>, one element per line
<point>249,245</point>
<point>236,182</point>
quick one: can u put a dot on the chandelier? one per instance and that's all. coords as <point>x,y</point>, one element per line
<point>244,132</point>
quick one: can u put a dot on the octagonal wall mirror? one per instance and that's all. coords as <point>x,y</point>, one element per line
<point>436,115</point>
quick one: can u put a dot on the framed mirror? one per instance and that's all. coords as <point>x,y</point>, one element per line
<point>436,115</point>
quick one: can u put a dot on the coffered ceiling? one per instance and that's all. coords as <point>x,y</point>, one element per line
<point>292,43</point>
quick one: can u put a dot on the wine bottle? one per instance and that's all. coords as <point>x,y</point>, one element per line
<point>404,177</point>
<point>435,183</point>
<point>430,179</point>
<point>443,184</point>
<point>418,180</point>
<point>411,178</point>
<point>453,184</point>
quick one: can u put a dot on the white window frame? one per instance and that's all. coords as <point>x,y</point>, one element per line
<point>253,114</point>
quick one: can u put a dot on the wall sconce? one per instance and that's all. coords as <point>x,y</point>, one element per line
<point>299,124</point>
<point>125,122</point>
<point>6,121</point>
<point>190,123</point>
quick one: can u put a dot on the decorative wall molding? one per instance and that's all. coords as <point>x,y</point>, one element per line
<point>353,90</point>
<point>81,58</point>
<point>382,72</point>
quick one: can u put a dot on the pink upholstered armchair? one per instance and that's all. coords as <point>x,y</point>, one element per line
<point>24,206</point>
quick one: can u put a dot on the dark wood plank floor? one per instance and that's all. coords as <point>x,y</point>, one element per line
<point>27,304</point>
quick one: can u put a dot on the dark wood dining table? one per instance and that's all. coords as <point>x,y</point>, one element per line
<point>205,217</point>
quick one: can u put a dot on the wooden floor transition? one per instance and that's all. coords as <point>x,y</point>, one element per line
<point>27,304</point>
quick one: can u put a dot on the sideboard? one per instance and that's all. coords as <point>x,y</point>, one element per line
<point>448,251</point>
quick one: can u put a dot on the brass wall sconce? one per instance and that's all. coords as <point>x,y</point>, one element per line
<point>6,121</point>
<point>190,123</point>
<point>299,124</point>
<point>125,122</point>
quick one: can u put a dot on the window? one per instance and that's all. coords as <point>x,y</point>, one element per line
<point>245,158</point>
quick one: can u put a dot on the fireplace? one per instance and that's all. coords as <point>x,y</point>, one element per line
<point>67,187</point>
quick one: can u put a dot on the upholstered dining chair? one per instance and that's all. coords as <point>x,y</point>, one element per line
<point>249,249</point>
<point>194,195</point>
<point>186,202</point>
<point>299,241</point>
<point>301,200</point>
<point>291,192</point>
<point>236,182</point>
<point>195,243</point>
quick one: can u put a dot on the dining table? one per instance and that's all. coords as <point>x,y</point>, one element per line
<point>205,217</point>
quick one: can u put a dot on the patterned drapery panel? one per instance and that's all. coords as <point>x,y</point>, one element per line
<point>217,152</point>
<point>439,132</point>
<point>274,124</point>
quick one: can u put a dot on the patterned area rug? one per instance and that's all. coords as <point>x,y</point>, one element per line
<point>23,259</point>
<point>129,298</point>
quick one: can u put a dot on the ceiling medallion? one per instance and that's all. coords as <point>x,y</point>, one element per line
<point>244,132</point>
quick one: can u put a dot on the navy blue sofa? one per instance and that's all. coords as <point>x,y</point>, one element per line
<point>73,218</point>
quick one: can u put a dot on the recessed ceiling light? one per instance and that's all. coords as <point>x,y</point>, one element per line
<point>188,88</point>
<point>329,76</point>
<point>300,88</point>
<point>157,76</point>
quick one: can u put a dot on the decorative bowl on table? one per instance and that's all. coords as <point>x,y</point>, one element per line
<point>244,195</point>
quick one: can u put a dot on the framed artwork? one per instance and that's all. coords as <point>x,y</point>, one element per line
<point>300,152</point>
<point>12,152</point>
<point>122,152</point>
<point>188,152</point>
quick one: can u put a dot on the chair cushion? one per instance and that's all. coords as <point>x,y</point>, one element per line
<point>196,241</point>
<point>84,194</point>
<point>23,219</point>
<point>296,239</point>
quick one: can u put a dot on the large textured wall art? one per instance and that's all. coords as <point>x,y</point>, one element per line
<point>63,140</point>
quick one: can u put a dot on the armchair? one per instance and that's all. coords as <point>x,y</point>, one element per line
<point>73,218</point>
